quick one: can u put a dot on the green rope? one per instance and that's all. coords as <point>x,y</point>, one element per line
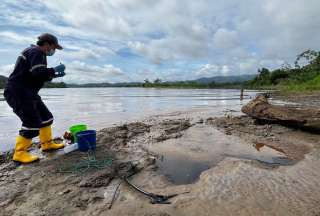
<point>90,162</point>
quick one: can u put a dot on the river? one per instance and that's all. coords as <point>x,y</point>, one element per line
<point>103,107</point>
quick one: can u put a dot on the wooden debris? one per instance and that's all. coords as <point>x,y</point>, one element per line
<point>259,108</point>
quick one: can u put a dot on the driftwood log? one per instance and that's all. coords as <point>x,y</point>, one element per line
<point>305,119</point>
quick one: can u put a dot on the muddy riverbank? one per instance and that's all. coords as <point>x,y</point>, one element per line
<point>230,165</point>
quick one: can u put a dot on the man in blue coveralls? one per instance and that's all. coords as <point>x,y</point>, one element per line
<point>21,93</point>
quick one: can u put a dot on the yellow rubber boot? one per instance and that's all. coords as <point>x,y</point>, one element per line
<point>20,152</point>
<point>46,141</point>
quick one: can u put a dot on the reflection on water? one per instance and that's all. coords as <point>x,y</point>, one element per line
<point>262,146</point>
<point>200,148</point>
<point>102,107</point>
<point>274,155</point>
<point>181,169</point>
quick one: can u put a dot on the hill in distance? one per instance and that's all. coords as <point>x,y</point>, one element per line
<point>226,79</point>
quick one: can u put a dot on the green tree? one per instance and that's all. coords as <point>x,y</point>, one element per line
<point>278,75</point>
<point>309,56</point>
<point>146,83</point>
<point>264,72</point>
<point>157,81</point>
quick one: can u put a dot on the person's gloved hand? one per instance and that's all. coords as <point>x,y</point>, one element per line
<point>59,74</point>
<point>59,70</point>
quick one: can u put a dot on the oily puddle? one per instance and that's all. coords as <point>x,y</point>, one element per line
<point>267,155</point>
<point>182,160</point>
<point>181,169</point>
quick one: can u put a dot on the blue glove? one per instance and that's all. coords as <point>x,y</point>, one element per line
<point>59,70</point>
<point>59,74</point>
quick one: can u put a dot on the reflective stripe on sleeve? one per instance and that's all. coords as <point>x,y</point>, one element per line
<point>37,66</point>
<point>26,128</point>
<point>25,58</point>
<point>47,121</point>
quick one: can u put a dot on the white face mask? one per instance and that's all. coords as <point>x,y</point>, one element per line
<point>51,52</point>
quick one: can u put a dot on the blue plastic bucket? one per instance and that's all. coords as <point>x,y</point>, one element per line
<point>86,140</point>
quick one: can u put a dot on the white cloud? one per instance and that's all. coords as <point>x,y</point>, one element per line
<point>81,72</point>
<point>101,17</point>
<point>81,54</point>
<point>225,70</point>
<point>184,43</point>
<point>15,38</point>
<point>145,74</point>
<point>118,20</point>
<point>211,70</point>
<point>226,39</point>
<point>208,70</point>
<point>248,65</point>
<point>6,70</point>
<point>234,35</point>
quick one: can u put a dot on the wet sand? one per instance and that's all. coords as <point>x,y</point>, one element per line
<point>229,165</point>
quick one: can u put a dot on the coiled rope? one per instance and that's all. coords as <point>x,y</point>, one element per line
<point>88,163</point>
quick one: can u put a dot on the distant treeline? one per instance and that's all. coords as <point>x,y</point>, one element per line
<point>190,84</point>
<point>55,85</point>
<point>158,84</point>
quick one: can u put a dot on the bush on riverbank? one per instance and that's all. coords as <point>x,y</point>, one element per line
<point>304,76</point>
<point>3,81</point>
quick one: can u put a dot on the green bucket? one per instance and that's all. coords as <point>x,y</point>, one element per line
<point>74,129</point>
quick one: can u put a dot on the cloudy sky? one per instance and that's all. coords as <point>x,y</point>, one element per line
<point>131,40</point>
